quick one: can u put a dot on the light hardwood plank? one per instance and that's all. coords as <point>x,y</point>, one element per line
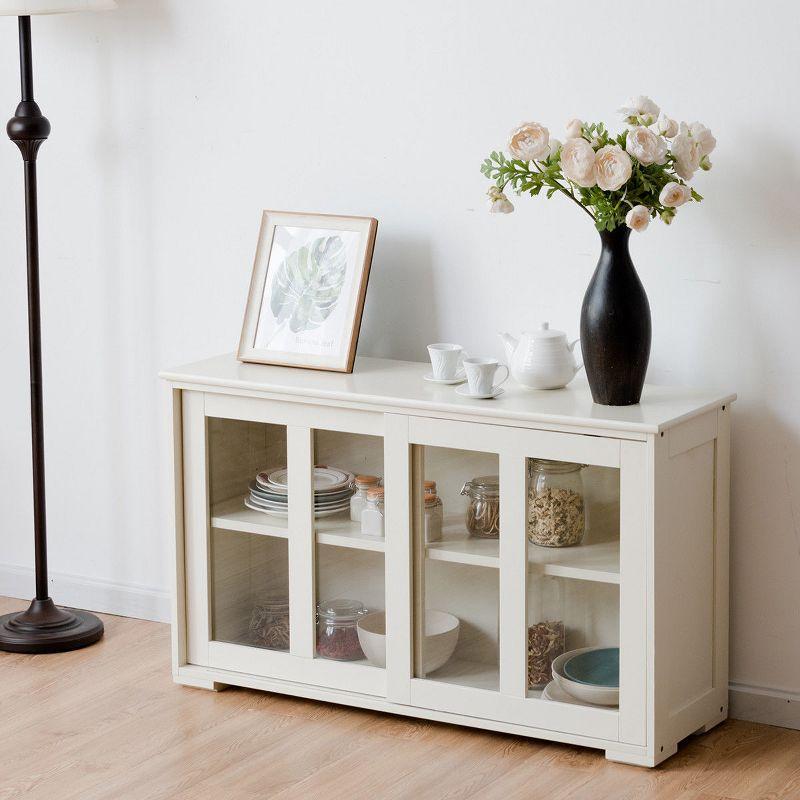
<point>107,722</point>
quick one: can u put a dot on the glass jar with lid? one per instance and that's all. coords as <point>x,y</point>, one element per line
<point>337,635</point>
<point>483,509</point>
<point>373,516</point>
<point>434,515</point>
<point>358,502</point>
<point>546,630</point>
<point>556,510</point>
<point>430,487</point>
<point>269,621</point>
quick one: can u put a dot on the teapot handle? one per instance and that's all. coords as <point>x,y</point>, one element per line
<point>571,347</point>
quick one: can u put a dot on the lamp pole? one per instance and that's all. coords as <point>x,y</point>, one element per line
<point>43,627</point>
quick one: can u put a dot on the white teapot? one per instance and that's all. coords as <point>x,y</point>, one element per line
<point>541,359</point>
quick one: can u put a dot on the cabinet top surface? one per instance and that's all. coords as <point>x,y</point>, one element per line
<point>399,385</point>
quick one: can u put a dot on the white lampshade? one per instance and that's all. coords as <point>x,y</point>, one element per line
<point>24,8</point>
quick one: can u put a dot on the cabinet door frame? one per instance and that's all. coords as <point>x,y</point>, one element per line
<point>300,664</point>
<point>511,703</point>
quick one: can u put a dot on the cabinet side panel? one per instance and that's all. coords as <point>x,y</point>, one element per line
<point>684,558</point>
<point>722,552</point>
<point>195,510</point>
<point>178,552</point>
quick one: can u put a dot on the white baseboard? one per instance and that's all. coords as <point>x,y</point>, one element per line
<point>76,591</point>
<point>762,704</point>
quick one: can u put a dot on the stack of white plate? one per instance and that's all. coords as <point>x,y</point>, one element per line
<point>589,676</point>
<point>333,488</point>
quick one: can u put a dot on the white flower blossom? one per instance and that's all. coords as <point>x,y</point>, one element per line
<point>646,146</point>
<point>529,142</point>
<point>577,162</point>
<point>612,167</point>
<point>674,194</point>
<point>498,202</point>
<point>666,126</point>
<point>638,218</point>
<point>704,138</point>
<point>687,152</point>
<point>574,128</point>
<point>639,110</point>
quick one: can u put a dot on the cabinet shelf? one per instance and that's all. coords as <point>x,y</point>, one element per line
<point>338,530</point>
<point>473,674</point>
<point>597,562</point>
<point>233,515</point>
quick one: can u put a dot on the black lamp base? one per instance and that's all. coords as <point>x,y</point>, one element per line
<point>46,628</point>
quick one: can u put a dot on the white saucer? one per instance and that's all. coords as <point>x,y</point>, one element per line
<point>443,381</point>
<point>464,391</point>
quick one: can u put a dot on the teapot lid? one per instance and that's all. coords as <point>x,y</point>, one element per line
<point>545,332</point>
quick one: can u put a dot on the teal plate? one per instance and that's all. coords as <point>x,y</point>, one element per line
<point>595,668</point>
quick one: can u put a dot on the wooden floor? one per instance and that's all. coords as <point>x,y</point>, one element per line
<point>107,722</point>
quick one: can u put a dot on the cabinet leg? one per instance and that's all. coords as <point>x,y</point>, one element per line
<point>711,724</point>
<point>662,754</point>
<point>198,682</point>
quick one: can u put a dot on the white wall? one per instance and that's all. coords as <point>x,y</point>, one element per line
<point>175,123</point>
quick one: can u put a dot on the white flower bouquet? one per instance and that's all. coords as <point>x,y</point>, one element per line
<point>629,179</point>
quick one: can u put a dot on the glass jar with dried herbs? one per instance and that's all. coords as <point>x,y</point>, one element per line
<point>269,621</point>
<point>546,631</point>
<point>556,510</point>
<point>483,509</point>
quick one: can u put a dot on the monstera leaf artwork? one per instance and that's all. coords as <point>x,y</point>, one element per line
<point>308,284</point>
<point>307,290</point>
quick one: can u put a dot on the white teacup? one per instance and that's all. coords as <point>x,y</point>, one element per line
<point>480,375</point>
<point>446,361</point>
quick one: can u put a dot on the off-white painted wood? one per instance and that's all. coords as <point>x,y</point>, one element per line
<point>513,563</point>
<point>635,504</point>
<point>179,551</point>
<point>391,385</point>
<point>302,548</point>
<point>591,562</point>
<point>722,506</point>
<point>196,539</point>
<point>399,572</point>
<point>651,576</point>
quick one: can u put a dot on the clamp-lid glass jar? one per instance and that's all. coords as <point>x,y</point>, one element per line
<point>337,636</point>
<point>556,511</point>
<point>269,621</point>
<point>483,510</point>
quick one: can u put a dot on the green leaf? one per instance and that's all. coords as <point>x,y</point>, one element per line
<point>308,284</point>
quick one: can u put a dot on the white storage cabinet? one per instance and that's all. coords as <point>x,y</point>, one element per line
<point>651,575</point>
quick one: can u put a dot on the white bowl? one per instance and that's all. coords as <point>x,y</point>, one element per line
<point>441,637</point>
<point>596,695</point>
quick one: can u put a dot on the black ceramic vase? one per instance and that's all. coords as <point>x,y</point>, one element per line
<point>615,325</point>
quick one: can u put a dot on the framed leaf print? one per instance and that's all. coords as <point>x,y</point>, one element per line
<point>307,291</point>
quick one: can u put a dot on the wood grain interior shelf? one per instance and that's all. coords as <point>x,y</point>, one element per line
<point>589,562</point>
<point>338,530</point>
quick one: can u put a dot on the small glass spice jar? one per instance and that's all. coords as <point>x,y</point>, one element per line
<point>337,634</point>
<point>434,514</point>
<point>430,487</point>
<point>269,622</point>
<point>358,502</point>
<point>372,517</point>
<point>556,511</point>
<point>483,510</point>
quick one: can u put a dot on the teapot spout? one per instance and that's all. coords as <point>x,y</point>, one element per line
<point>510,343</point>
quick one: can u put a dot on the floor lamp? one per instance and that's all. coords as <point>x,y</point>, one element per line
<point>43,627</point>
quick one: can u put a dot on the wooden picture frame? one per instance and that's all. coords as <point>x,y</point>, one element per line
<point>307,290</point>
